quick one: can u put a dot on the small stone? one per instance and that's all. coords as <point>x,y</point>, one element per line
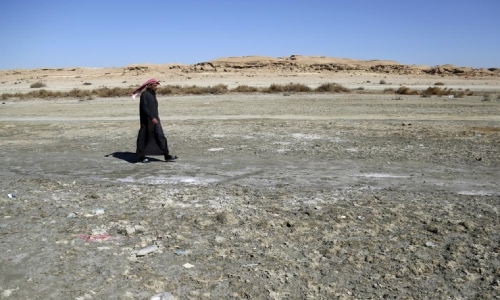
<point>130,230</point>
<point>139,228</point>
<point>188,266</point>
<point>98,211</point>
<point>430,244</point>
<point>227,218</point>
<point>433,229</point>
<point>163,296</point>
<point>147,250</point>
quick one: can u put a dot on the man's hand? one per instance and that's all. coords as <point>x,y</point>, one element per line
<point>154,121</point>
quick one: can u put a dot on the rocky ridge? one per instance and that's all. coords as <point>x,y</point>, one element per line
<point>261,64</point>
<point>298,63</point>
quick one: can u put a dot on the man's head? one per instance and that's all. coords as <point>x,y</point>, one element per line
<point>147,84</point>
<point>154,84</point>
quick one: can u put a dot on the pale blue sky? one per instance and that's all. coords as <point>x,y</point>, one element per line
<point>115,33</point>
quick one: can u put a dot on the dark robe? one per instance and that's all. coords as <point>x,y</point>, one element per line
<point>151,140</point>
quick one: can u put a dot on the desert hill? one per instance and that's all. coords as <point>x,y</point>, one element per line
<point>298,63</point>
<point>291,64</point>
<point>257,71</point>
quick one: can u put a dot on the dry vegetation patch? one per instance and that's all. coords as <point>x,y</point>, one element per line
<point>485,129</point>
<point>404,90</point>
<point>436,91</point>
<point>245,89</point>
<point>332,88</point>
<point>37,85</point>
<point>105,92</point>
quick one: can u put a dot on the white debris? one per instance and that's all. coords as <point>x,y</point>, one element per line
<point>98,211</point>
<point>7,293</point>
<point>163,296</point>
<point>147,250</point>
<point>188,266</point>
<point>430,244</point>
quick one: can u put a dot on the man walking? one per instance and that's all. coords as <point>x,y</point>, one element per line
<point>151,140</point>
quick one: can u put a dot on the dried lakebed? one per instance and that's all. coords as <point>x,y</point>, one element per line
<point>273,197</point>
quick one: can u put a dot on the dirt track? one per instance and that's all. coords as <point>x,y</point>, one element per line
<point>273,197</point>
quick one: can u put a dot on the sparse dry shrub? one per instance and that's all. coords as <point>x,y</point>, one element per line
<point>5,96</point>
<point>438,83</point>
<point>164,90</point>
<point>171,90</point>
<point>405,91</point>
<point>440,92</point>
<point>434,91</point>
<point>39,94</point>
<point>382,82</point>
<point>87,83</point>
<point>274,88</point>
<point>332,88</point>
<point>217,89</point>
<point>57,94</point>
<point>296,87</point>
<point>35,94</point>
<point>194,90</point>
<point>37,85</point>
<point>388,91</point>
<point>245,89</point>
<point>77,93</point>
<point>106,92</point>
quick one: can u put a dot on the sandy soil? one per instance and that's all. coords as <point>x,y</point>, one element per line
<point>307,196</point>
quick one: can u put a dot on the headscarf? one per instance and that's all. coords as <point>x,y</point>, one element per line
<point>145,84</point>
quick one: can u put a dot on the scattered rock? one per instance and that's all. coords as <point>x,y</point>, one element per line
<point>163,296</point>
<point>227,218</point>
<point>430,244</point>
<point>147,250</point>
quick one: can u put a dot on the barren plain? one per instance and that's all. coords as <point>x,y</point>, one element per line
<point>361,195</point>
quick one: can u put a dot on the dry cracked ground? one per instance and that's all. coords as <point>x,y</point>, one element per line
<point>307,196</point>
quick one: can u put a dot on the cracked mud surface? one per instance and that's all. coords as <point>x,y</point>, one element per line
<point>273,197</point>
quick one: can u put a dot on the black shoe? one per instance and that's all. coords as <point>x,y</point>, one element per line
<point>170,157</point>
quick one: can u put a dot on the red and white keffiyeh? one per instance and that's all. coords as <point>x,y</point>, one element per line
<point>145,84</point>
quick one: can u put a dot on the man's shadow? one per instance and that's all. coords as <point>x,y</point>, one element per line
<point>128,157</point>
